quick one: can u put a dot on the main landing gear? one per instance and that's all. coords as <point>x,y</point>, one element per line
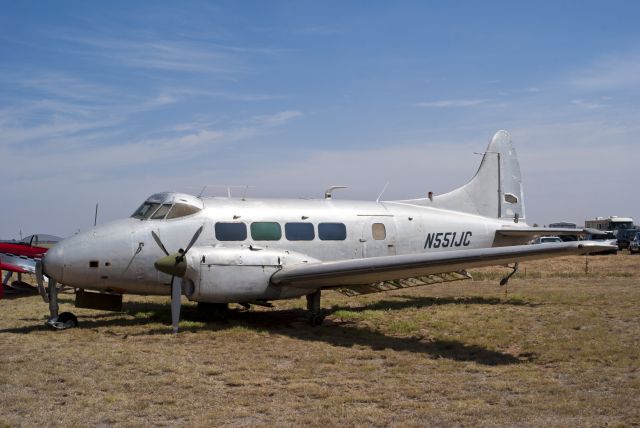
<point>313,306</point>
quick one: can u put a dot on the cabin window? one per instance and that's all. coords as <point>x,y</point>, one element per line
<point>161,212</point>
<point>332,231</point>
<point>182,210</point>
<point>299,231</point>
<point>231,231</point>
<point>378,231</point>
<point>93,264</point>
<point>266,231</point>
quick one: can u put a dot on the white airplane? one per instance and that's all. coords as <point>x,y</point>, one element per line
<point>254,251</point>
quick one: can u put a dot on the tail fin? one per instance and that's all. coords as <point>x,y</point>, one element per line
<point>496,189</point>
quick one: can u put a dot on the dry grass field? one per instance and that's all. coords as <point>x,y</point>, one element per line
<point>558,347</point>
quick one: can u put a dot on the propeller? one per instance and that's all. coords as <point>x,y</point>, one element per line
<point>174,265</point>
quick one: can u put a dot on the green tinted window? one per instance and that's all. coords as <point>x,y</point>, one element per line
<point>266,231</point>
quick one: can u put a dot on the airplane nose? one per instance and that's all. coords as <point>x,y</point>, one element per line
<point>53,263</point>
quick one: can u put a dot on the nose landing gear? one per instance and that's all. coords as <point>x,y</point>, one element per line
<point>58,321</point>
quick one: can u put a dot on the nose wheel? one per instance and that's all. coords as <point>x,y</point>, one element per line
<point>65,320</point>
<point>58,321</point>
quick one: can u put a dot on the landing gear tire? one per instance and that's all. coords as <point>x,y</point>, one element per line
<point>313,306</point>
<point>64,321</point>
<point>316,320</point>
<point>69,319</point>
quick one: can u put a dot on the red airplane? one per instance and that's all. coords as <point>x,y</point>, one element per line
<point>19,257</point>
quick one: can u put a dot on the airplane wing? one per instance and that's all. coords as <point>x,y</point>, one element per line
<point>14,263</point>
<point>346,273</point>
<point>12,268</point>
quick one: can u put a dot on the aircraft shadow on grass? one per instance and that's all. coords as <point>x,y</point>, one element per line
<point>290,322</point>
<point>421,302</point>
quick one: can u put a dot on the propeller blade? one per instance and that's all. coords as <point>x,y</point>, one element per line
<point>176,296</point>
<point>159,242</point>
<point>40,279</point>
<point>194,239</point>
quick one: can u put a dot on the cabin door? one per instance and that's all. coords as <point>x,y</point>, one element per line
<point>378,236</point>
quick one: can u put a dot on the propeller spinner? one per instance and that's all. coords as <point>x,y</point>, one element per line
<point>175,265</point>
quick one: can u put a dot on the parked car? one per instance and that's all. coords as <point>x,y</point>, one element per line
<point>625,236</point>
<point>546,239</point>
<point>606,238</point>
<point>634,245</point>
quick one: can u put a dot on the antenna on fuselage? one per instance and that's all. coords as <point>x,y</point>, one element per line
<point>329,191</point>
<point>95,217</point>
<point>381,192</point>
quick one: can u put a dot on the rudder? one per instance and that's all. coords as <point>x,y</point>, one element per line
<point>496,189</point>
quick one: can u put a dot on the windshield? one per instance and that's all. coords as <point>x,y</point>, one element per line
<point>145,210</point>
<point>165,206</point>
<point>622,225</point>
<point>161,212</point>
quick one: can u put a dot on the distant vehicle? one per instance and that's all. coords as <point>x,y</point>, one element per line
<point>609,223</point>
<point>567,225</point>
<point>546,240</point>
<point>634,245</point>
<point>564,224</point>
<point>607,238</point>
<point>625,236</point>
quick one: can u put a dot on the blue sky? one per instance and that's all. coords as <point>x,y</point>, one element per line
<point>108,102</point>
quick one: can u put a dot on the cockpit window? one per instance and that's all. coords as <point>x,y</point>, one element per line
<point>161,212</point>
<point>181,210</point>
<point>167,206</point>
<point>145,210</point>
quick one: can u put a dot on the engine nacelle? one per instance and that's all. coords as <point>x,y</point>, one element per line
<point>232,275</point>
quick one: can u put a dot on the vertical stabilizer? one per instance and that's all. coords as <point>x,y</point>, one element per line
<point>496,189</point>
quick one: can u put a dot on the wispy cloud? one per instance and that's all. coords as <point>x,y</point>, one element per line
<point>612,72</point>
<point>59,85</point>
<point>182,142</point>
<point>278,118</point>
<point>452,103</point>
<point>318,30</point>
<point>154,53</point>
<point>591,105</point>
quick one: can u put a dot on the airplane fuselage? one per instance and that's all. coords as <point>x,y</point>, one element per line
<point>245,241</point>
